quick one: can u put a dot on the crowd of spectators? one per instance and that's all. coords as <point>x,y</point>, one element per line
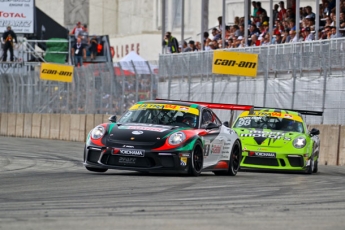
<point>284,28</point>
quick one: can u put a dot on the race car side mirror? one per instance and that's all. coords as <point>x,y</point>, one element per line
<point>112,119</point>
<point>314,132</point>
<point>212,126</point>
<point>226,123</point>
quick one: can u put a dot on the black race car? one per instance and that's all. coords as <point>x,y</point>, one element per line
<point>166,136</point>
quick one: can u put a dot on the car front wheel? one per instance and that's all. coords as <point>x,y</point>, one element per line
<point>196,161</point>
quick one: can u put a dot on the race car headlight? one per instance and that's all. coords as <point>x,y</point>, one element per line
<point>177,138</point>
<point>299,142</point>
<point>98,132</point>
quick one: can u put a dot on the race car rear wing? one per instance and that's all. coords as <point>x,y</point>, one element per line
<point>303,112</point>
<point>212,105</point>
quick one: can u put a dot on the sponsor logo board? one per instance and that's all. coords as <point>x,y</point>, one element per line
<point>56,72</point>
<point>235,63</point>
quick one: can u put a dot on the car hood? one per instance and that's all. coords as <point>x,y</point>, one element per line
<point>266,137</point>
<point>136,135</point>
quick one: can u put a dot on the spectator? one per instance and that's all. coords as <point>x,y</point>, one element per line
<point>216,34</point>
<point>84,35</point>
<point>278,38</point>
<point>76,30</point>
<point>220,20</point>
<point>293,37</point>
<point>185,47</point>
<point>93,47</point>
<point>286,36</point>
<point>308,35</point>
<point>332,33</point>
<point>192,46</point>
<point>266,40</point>
<point>255,8</point>
<point>8,38</point>
<point>275,12</point>
<point>211,45</point>
<point>260,10</point>
<point>78,52</point>
<point>309,12</point>
<point>198,45</point>
<point>292,25</point>
<point>237,20</point>
<point>254,41</point>
<point>282,11</point>
<point>171,42</point>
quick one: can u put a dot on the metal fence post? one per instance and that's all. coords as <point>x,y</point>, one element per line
<point>123,89</point>
<point>152,80</point>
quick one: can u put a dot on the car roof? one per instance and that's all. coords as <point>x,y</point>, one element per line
<point>274,112</point>
<point>193,105</point>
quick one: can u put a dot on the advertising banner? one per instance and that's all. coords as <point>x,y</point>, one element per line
<point>56,72</point>
<point>235,63</point>
<point>19,14</point>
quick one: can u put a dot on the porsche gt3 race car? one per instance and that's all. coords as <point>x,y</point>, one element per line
<point>278,139</point>
<point>165,136</point>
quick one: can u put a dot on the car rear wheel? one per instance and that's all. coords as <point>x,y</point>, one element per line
<point>235,158</point>
<point>196,161</point>
<point>96,169</point>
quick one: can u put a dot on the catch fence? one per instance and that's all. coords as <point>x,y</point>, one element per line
<point>308,76</point>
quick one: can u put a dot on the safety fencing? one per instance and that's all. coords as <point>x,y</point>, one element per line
<point>308,75</point>
<point>103,88</point>
<point>75,127</point>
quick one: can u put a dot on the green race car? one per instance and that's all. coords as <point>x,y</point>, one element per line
<point>278,139</point>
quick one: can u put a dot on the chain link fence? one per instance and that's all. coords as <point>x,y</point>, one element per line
<point>104,88</point>
<point>308,76</point>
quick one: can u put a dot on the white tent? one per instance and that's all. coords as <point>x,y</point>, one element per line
<point>140,64</point>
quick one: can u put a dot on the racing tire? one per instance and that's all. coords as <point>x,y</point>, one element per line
<point>235,158</point>
<point>310,168</point>
<point>196,160</point>
<point>316,167</point>
<point>96,169</point>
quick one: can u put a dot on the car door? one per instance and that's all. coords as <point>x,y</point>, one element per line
<point>214,140</point>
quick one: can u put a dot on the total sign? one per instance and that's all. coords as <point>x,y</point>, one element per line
<point>19,14</point>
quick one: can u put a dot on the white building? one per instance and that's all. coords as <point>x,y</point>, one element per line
<point>136,24</point>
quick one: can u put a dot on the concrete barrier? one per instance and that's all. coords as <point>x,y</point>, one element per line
<point>75,127</point>
<point>329,144</point>
<point>45,126</point>
<point>27,125</point>
<point>11,124</point>
<point>3,124</point>
<point>54,126</point>
<point>342,146</point>
<point>98,119</point>
<point>36,125</point>
<point>65,122</point>
<point>89,124</point>
<point>19,124</point>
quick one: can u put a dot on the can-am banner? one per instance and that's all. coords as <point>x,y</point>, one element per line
<point>19,14</point>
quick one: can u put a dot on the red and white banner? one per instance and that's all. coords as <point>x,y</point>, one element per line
<point>19,14</point>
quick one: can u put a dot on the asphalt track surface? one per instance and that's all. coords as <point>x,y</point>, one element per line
<point>43,185</point>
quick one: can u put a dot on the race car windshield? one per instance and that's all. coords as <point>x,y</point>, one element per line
<point>267,122</point>
<point>161,117</point>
